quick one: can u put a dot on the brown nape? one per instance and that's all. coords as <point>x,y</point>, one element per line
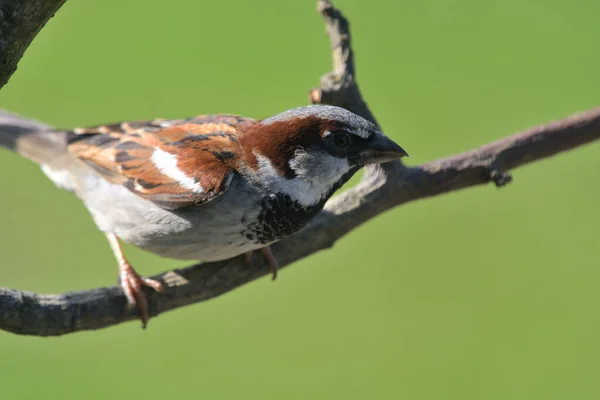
<point>279,140</point>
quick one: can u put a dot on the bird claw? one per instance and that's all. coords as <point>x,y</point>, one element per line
<point>132,283</point>
<point>271,260</point>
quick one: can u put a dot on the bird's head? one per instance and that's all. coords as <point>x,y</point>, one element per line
<point>309,152</point>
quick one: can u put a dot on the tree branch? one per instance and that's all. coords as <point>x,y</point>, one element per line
<point>382,188</point>
<point>20,22</point>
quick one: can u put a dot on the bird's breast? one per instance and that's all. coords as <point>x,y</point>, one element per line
<point>243,218</point>
<point>279,216</point>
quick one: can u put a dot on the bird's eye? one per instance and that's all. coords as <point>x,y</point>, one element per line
<point>340,140</point>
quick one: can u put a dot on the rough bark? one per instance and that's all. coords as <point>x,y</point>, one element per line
<point>20,22</point>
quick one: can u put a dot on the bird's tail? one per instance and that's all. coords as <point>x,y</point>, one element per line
<point>41,144</point>
<point>31,139</point>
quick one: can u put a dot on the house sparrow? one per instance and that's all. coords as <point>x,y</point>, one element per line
<point>206,188</point>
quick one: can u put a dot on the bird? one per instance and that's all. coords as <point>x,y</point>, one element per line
<point>206,188</point>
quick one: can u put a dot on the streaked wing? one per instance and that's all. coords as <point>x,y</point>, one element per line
<point>174,163</point>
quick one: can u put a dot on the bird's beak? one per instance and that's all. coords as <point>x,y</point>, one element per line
<point>381,149</point>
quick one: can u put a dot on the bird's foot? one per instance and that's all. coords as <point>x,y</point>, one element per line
<point>271,260</point>
<point>132,283</point>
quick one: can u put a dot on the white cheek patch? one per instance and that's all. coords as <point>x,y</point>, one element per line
<point>167,164</point>
<point>322,169</point>
<point>317,173</point>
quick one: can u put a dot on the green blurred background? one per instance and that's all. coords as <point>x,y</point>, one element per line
<point>480,294</point>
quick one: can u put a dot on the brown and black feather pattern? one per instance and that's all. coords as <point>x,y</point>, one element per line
<point>205,148</point>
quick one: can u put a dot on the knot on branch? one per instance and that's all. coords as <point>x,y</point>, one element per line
<point>315,95</point>
<point>499,176</point>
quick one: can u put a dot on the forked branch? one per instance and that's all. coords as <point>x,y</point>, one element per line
<point>382,188</point>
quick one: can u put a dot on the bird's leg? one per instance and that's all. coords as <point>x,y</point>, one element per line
<point>273,263</point>
<point>131,282</point>
<point>271,260</point>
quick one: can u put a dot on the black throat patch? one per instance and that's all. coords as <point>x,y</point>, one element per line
<point>282,216</point>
